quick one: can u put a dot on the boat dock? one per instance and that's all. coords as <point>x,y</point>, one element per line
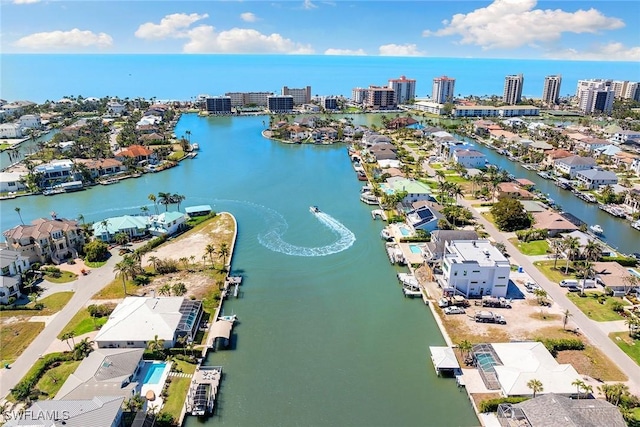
<point>229,282</point>
<point>203,390</point>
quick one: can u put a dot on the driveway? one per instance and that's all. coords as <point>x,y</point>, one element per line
<point>85,288</point>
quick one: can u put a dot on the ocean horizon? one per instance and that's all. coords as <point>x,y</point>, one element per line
<point>41,77</point>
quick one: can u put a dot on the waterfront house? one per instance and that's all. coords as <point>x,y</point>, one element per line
<point>613,276</point>
<point>138,320</point>
<point>470,158</point>
<point>134,226</point>
<point>510,189</point>
<point>482,127</point>
<point>103,167</point>
<point>571,165</point>
<point>592,144</point>
<point>556,154</point>
<point>152,138</point>
<point>138,153</point>
<point>474,268</point>
<point>401,122</point>
<point>423,218</point>
<point>632,200</point>
<point>12,265</point>
<point>415,190</point>
<point>508,367</point>
<point>99,411</point>
<point>593,178</point>
<point>46,239</point>
<point>554,410</point>
<point>440,238</point>
<point>611,151</point>
<point>553,222</point>
<point>104,372</point>
<point>383,151</point>
<point>10,130</point>
<point>167,223</point>
<point>11,182</point>
<point>199,210</point>
<point>297,133</point>
<point>623,159</point>
<point>30,121</point>
<point>148,121</point>
<point>540,146</point>
<point>56,171</point>
<point>115,109</point>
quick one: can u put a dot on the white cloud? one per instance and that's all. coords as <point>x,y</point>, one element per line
<point>65,40</point>
<point>516,23</point>
<point>308,5</point>
<point>25,1</point>
<point>400,50</point>
<point>601,52</point>
<point>204,39</point>
<point>174,25</point>
<point>248,17</point>
<point>347,52</point>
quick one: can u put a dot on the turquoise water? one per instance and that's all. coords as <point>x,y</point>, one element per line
<point>404,231</point>
<point>415,249</point>
<point>320,343</point>
<point>154,373</point>
<point>486,360</point>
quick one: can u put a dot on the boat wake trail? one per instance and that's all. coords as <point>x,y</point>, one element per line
<point>278,226</point>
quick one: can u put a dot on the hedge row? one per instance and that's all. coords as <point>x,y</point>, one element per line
<point>556,345</point>
<point>622,260</point>
<point>492,404</point>
<point>23,389</point>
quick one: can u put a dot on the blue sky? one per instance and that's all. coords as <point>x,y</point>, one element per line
<point>580,30</point>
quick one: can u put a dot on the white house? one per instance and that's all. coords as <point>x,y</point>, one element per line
<point>624,135</point>
<point>572,164</point>
<point>469,158</point>
<point>10,182</point>
<point>10,130</point>
<point>594,178</point>
<point>474,268</point>
<point>423,218</point>
<point>114,108</point>
<point>416,190</point>
<point>167,223</point>
<point>59,169</point>
<point>13,264</point>
<point>138,320</point>
<point>31,121</point>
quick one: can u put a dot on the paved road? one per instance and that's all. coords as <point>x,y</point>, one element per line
<point>86,287</point>
<point>588,327</point>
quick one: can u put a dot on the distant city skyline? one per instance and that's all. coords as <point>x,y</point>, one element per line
<point>567,30</point>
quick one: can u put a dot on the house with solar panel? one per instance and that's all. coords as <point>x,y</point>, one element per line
<point>138,320</point>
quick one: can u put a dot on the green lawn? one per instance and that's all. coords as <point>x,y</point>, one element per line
<point>14,339</point>
<point>590,306</point>
<point>114,290</point>
<point>177,395</point>
<point>628,345</point>
<point>536,247</point>
<point>546,268</point>
<point>455,178</point>
<point>52,304</point>
<point>96,264</point>
<point>52,380</point>
<point>82,323</point>
<point>435,166</point>
<point>65,277</point>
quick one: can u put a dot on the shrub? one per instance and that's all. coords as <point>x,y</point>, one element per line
<point>561,344</point>
<point>165,420</point>
<point>100,310</point>
<point>24,388</point>
<point>617,306</point>
<point>492,404</point>
<point>624,261</point>
<point>141,280</point>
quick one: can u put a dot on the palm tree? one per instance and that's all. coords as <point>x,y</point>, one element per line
<point>565,318</point>
<point>177,199</point>
<point>571,246</point>
<point>155,344</point>
<point>579,384</point>
<point>465,347</point>
<point>587,389</point>
<point>185,261</point>
<point>164,199</point>
<point>153,198</point>
<point>540,294</point>
<point>223,252</point>
<point>630,282</point>
<point>126,268</point>
<point>82,349</point>
<point>586,271</point>
<point>17,209</point>
<point>592,251</point>
<point>121,238</point>
<point>556,248</point>
<point>69,335</point>
<point>210,250</point>
<point>154,261</point>
<point>144,210</point>
<point>165,290</point>
<point>179,289</point>
<point>535,386</point>
<point>440,175</point>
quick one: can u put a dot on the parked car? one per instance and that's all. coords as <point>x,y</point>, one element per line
<point>490,317</point>
<point>571,283</point>
<point>454,309</point>
<point>489,301</point>
<point>531,287</point>
<point>443,302</point>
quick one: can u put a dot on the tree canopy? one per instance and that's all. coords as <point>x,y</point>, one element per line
<point>509,215</point>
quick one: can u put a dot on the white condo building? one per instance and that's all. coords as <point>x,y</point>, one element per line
<point>443,89</point>
<point>474,268</point>
<point>595,95</point>
<point>551,89</point>
<point>404,88</point>
<point>513,89</point>
<point>300,96</point>
<point>625,89</point>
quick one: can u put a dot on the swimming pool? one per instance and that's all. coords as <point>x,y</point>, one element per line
<point>415,249</point>
<point>405,231</point>
<point>154,373</point>
<point>486,361</point>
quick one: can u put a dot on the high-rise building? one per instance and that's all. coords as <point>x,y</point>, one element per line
<point>625,89</point>
<point>443,89</point>
<point>358,95</point>
<point>380,98</point>
<point>595,96</point>
<point>280,103</point>
<point>243,99</point>
<point>300,96</point>
<point>404,88</point>
<point>219,105</point>
<point>513,89</point>
<point>551,90</point>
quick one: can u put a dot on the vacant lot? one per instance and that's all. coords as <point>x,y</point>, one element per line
<point>16,337</point>
<point>596,306</point>
<point>536,247</point>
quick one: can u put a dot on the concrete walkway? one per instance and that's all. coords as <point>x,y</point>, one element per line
<point>592,330</point>
<point>85,288</point>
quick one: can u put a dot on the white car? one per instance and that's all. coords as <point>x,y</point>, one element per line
<point>454,309</point>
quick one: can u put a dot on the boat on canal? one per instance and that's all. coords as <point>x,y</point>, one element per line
<point>314,209</point>
<point>597,229</point>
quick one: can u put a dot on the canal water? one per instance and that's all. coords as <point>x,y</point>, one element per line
<point>617,232</point>
<point>325,336</point>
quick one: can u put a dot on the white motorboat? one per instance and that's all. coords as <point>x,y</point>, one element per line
<point>314,209</point>
<point>230,318</point>
<point>596,229</point>
<point>385,234</point>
